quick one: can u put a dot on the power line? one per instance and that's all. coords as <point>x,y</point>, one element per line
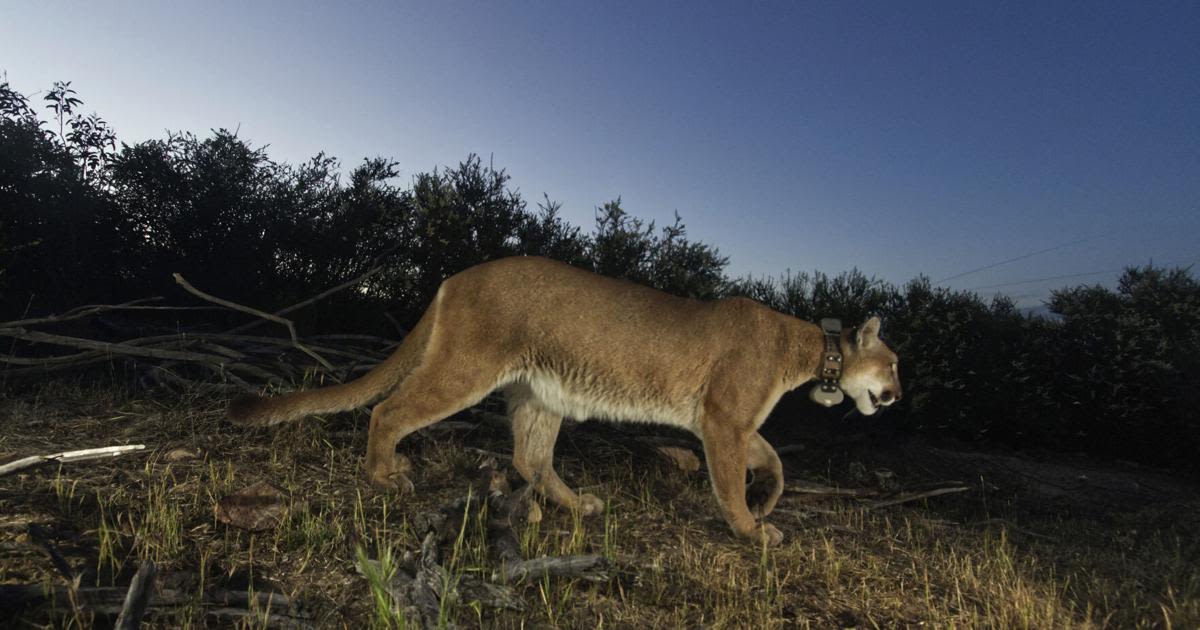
<point>1021,257</point>
<point>1046,279</point>
<point>1074,275</point>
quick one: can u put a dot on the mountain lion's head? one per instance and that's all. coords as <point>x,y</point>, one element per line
<point>869,373</point>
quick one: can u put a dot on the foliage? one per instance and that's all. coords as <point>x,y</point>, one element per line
<point>82,222</point>
<point>624,246</point>
<point>1129,362</point>
<point>1111,372</point>
<point>461,217</point>
<point>58,234</point>
<point>547,234</point>
<point>89,140</point>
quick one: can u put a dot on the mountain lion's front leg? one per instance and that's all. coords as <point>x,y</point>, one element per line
<point>762,460</point>
<point>725,448</point>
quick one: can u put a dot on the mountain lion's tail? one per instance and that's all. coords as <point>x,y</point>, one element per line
<point>367,389</point>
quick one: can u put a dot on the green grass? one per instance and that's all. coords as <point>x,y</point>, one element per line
<point>966,561</point>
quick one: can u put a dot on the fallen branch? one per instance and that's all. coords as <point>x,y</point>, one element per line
<point>418,596</point>
<point>882,499</point>
<point>69,456</point>
<point>137,597</point>
<point>253,311</point>
<point>164,375</point>
<point>1013,526</point>
<point>254,619</point>
<point>312,300</point>
<point>243,362</point>
<point>805,512</point>
<point>588,567</point>
<point>106,347</point>
<point>818,490</point>
<point>77,313</point>
<point>421,588</point>
<point>259,609</point>
<point>38,534</point>
<point>67,358</point>
<point>218,361</point>
<point>914,496</point>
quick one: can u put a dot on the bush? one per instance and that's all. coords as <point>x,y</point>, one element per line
<point>59,236</point>
<point>1110,371</point>
<point>1126,364</point>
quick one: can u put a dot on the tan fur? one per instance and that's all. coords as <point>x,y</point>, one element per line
<point>560,341</point>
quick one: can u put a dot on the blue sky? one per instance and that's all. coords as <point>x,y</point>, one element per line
<point>899,138</point>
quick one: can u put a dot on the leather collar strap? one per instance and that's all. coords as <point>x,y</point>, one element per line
<point>831,361</point>
<point>827,391</point>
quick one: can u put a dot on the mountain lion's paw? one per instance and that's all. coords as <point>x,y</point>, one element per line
<point>767,533</point>
<point>397,481</point>
<point>590,505</point>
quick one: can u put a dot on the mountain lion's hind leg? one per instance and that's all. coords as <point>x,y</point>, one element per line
<point>429,394</point>
<point>767,487</point>
<point>534,433</point>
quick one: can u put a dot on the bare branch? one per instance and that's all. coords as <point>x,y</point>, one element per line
<point>105,346</point>
<point>253,311</point>
<point>591,567</point>
<point>70,456</point>
<point>816,489</point>
<point>909,497</point>
<point>77,313</point>
<point>316,298</point>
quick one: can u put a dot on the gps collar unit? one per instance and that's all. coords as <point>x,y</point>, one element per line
<point>827,393</point>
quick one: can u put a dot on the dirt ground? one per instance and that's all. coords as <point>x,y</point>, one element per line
<point>1037,540</point>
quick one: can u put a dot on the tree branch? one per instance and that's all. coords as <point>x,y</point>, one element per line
<point>253,311</point>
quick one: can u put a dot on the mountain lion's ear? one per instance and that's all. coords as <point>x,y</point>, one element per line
<point>868,333</point>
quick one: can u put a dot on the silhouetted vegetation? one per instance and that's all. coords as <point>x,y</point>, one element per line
<point>1110,373</point>
<point>83,221</point>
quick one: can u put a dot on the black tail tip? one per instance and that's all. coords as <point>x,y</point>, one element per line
<point>242,410</point>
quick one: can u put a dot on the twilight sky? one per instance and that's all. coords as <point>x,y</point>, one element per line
<point>1057,138</point>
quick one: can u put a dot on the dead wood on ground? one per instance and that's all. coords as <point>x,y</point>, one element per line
<point>421,588</point>
<point>226,361</point>
<point>169,592</point>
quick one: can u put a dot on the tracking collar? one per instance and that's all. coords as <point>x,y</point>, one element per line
<point>827,393</point>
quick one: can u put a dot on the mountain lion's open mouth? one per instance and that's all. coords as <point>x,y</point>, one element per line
<point>874,398</point>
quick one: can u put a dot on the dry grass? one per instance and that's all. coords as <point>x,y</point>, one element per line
<point>962,562</point>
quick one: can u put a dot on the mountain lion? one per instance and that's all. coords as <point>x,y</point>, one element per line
<point>560,341</point>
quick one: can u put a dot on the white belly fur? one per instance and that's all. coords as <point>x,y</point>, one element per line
<point>578,403</point>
